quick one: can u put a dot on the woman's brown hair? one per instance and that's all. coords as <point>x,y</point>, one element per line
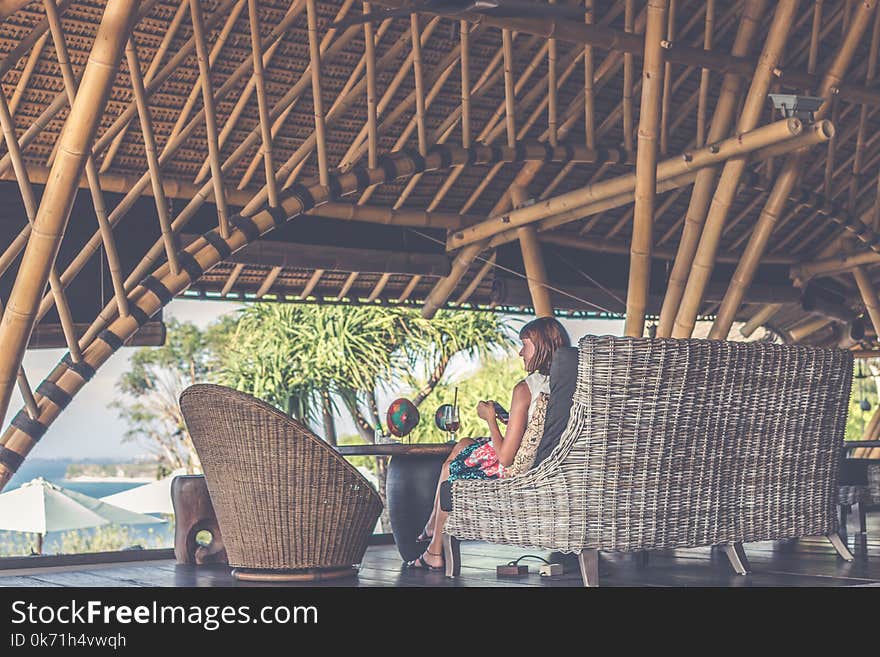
<point>548,335</point>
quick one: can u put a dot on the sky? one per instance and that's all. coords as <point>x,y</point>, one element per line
<point>88,429</point>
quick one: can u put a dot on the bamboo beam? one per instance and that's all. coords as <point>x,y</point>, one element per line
<point>410,288</point>
<point>372,114</point>
<point>233,277</point>
<point>26,73</point>
<point>646,171</point>
<point>764,315</point>
<point>701,196</point>
<point>464,29</point>
<point>667,80</point>
<point>704,258</point>
<point>589,102</point>
<point>869,297</point>
<point>446,285</point>
<point>808,327</point>
<point>628,20</point>
<point>262,104</point>
<point>817,134</point>
<point>389,217</point>
<point>199,33</point>
<point>312,283</point>
<point>56,30</point>
<point>509,93</point>
<point>418,75</point>
<point>703,101</point>
<point>137,85</point>
<point>619,247</point>
<point>318,102</point>
<point>670,168</point>
<point>343,293</point>
<point>379,287</point>
<point>787,178</point>
<point>50,223</point>
<point>269,281</point>
<point>161,51</point>
<point>536,273</point>
<point>477,280</point>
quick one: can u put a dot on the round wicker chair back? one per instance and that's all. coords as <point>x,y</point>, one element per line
<point>284,498</point>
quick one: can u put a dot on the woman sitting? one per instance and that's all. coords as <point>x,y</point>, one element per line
<point>510,453</point>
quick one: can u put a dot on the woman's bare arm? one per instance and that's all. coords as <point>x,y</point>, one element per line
<point>506,445</point>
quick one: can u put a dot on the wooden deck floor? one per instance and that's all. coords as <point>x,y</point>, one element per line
<point>807,562</point>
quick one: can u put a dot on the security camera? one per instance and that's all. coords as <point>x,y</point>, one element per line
<point>794,105</point>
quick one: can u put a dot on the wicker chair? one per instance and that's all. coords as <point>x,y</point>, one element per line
<point>289,506</point>
<point>675,443</point>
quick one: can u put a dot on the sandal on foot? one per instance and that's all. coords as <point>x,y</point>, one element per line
<point>424,537</point>
<point>421,564</point>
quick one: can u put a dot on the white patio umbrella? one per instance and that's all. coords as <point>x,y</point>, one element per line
<point>154,497</point>
<point>40,507</point>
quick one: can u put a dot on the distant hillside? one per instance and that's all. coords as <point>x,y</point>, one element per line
<point>108,470</point>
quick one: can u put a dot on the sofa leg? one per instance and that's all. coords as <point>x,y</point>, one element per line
<point>588,560</point>
<point>452,555</point>
<point>737,557</point>
<point>840,546</point>
<point>844,511</point>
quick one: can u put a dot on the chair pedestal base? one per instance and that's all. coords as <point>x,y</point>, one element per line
<point>307,575</point>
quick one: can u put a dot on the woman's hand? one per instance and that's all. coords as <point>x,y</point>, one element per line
<point>486,410</point>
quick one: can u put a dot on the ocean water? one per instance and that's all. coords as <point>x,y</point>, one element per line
<point>53,470</point>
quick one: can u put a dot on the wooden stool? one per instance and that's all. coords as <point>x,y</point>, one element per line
<point>193,512</point>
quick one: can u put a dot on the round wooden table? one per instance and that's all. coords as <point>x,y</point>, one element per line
<point>412,482</point>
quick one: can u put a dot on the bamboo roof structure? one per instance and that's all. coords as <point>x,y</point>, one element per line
<point>626,165</point>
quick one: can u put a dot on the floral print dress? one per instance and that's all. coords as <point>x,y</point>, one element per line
<point>480,461</point>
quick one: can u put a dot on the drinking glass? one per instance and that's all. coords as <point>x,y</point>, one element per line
<point>451,420</point>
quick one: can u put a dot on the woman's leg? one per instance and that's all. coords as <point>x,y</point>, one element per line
<point>444,475</point>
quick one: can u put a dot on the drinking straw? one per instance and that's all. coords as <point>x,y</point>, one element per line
<point>455,399</point>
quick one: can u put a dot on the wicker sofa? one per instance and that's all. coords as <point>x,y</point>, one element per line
<point>289,506</point>
<point>675,443</point>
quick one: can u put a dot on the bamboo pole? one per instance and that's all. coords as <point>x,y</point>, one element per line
<point>764,315</point>
<point>346,287</point>
<point>210,115</point>
<point>646,171</point>
<point>464,29</point>
<point>418,74</point>
<point>410,288</point>
<point>536,273</point>
<point>173,27</point>
<point>315,61</point>
<point>670,168</point>
<point>446,285</point>
<point>552,111</point>
<point>628,80</point>
<point>269,281</point>
<point>372,114</point>
<point>26,73</point>
<point>703,262</point>
<point>76,138</point>
<point>703,102</point>
<point>509,93</point>
<point>787,178</point>
<point>311,284</point>
<point>477,280</point>
<point>262,104</point>
<point>701,196</point>
<point>137,85</point>
<point>233,277</point>
<point>379,287</point>
<point>869,296</point>
<point>56,30</point>
<point>667,81</point>
<point>808,328</point>
<point>390,217</point>
<point>817,134</point>
<point>589,102</point>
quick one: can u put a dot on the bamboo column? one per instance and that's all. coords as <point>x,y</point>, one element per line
<point>667,80</point>
<point>703,101</point>
<point>759,319</point>
<point>50,223</point>
<point>869,297</point>
<point>509,93</point>
<point>701,195</point>
<point>628,80</point>
<point>315,57</point>
<point>787,178</point>
<point>446,285</point>
<point>533,259</point>
<point>646,171</point>
<point>589,102</point>
<point>262,104</point>
<point>372,114</point>
<point>704,258</point>
<point>199,34</point>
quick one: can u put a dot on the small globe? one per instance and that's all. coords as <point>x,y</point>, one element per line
<point>440,417</point>
<point>402,417</point>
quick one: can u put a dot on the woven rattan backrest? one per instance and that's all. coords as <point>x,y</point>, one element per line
<point>698,442</point>
<point>272,481</point>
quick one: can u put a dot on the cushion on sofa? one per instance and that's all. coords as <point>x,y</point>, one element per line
<point>563,379</point>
